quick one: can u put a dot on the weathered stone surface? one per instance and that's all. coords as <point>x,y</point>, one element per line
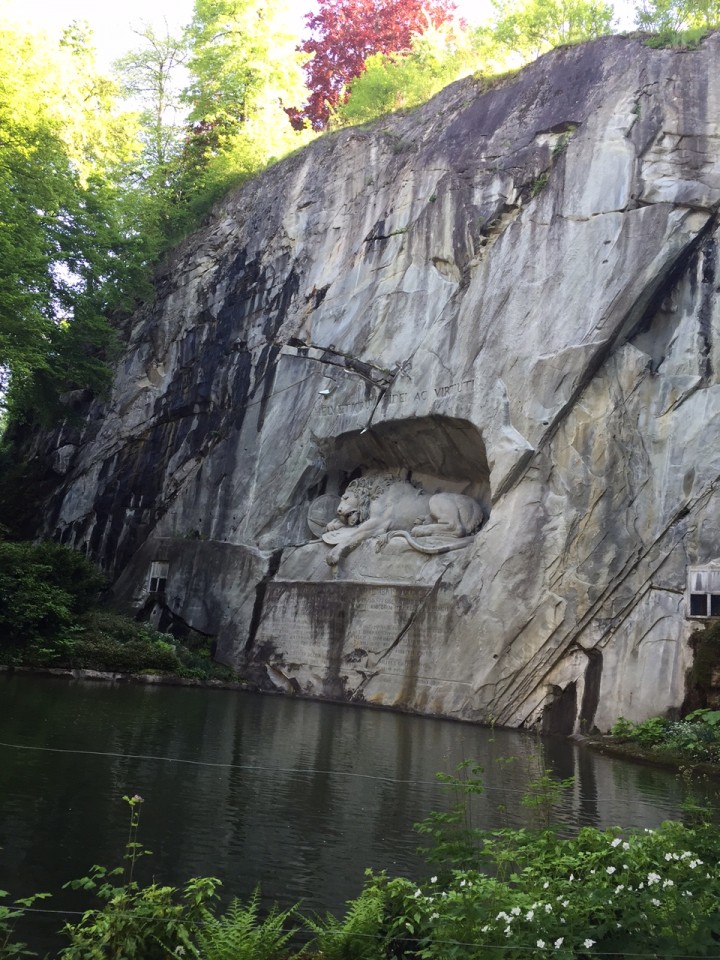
<point>509,294</point>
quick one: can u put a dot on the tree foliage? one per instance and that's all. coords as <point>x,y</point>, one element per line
<point>668,18</point>
<point>244,69</point>
<point>395,81</point>
<point>211,108</point>
<point>344,33</point>
<point>150,74</point>
<point>42,587</point>
<point>64,245</point>
<point>532,27</point>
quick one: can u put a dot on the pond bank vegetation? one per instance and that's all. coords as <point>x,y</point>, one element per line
<point>690,745</point>
<point>510,893</point>
<point>52,618</point>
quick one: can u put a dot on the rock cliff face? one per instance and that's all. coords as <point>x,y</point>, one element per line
<point>509,294</point>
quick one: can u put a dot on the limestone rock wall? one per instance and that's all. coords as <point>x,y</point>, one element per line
<point>509,293</point>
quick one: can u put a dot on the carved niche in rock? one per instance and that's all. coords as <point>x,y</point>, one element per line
<point>385,507</point>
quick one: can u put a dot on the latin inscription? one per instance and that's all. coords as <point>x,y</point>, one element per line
<point>362,405</point>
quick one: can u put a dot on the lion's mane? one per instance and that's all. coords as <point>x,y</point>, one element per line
<point>366,490</point>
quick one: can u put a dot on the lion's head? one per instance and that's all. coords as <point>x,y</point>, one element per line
<point>354,507</point>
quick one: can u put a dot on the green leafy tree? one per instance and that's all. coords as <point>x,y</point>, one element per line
<point>244,69</point>
<point>66,244</point>
<point>393,81</point>
<point>532,27</point>
<point>42,588</point>
<point>671,17</point>
<point>151,75</point>
<point>344,33</point>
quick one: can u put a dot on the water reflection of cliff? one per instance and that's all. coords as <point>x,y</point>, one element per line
<point>297,795</point>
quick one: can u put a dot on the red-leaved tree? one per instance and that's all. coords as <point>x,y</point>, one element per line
<point>344,33</point>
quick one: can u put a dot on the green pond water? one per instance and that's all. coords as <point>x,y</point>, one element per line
<point>297,796</point>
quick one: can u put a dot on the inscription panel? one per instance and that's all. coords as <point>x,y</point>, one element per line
<point>362,405</point>
<point>340,632</point>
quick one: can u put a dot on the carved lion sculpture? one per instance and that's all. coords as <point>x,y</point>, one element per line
<point>385,507</point>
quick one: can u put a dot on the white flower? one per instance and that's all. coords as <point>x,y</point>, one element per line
<point>433,879</point>
<point>653,878</point>
<point>571,877</point>
<point>668,856</point>
<point>626,845</point>
<point>548,908</point>
<point>485,928</point>
<point>530,914</point>
<point>655,902</point>
<point>463,883</point>
<point>508,931</point>
<point>610,870</point>
<point>694,863</point>
<point>502,916</point>
<point>566,903</point>
<point>435,916</point>
<point>515,911</point>
<point>619,888</point>
<point>616,842</point>
<point>541,944</point>
<point>559,942</point>
<point>668,883</point>
<point>546,885</point>
<point>417,893</point>
<point>588,943</point>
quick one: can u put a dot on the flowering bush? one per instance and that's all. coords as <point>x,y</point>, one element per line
<point>598,893</point>
<point>696,737</point>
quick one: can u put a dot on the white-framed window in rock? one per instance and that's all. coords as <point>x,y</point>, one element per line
<point>703,591</point>
<point>158,577</point>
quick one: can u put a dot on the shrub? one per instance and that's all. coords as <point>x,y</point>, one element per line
<point>239,934</point>
<point>362,933</point>
<point>623,729</point>
<point>42,588</point>
<point>652,731</point>
<point>696,737</point>
<point>135,656</point>
<point>598,893</point>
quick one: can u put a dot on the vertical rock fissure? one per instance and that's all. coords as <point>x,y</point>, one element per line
<point>707,291</point>
<point>413,617</point>
<point>260,590</point>
<point>591,692</point>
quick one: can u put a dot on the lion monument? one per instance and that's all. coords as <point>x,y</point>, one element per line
<point>385,507</point>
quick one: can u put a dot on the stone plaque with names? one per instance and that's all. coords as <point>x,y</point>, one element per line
<point>329,637</point>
